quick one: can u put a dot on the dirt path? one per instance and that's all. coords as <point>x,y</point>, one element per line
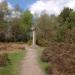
<point>30,64</point>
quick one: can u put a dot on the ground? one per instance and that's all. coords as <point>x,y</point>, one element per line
<point>29,65</point>
<point>16,52</point>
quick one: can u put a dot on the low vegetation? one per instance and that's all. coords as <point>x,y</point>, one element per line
<point>11,66</point>
<point>56,33</point>
<point>43,65</point>
<point>4,60</point>
<point>61,57</point>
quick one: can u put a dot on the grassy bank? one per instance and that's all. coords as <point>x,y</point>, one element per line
<point>43,65</point>
<point>12,68</point>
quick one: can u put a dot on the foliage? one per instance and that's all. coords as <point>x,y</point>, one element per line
<point>60,51</point>
<point>59,28</point>
<point>66,25</point>
<point>4,60</point>
<point>12,68</point>
<point>46,29</point>
<point>26,20</point>
<point>61,57</point>
<point>64,15</point>
<point>18,29</point>
<point>25,24</point>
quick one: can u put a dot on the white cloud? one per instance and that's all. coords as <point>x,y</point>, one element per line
<point>51,6</point>
<point>10,7</point>
<point>1,1</point>
<point>71,4</point>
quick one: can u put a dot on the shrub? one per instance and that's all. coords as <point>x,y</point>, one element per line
<point>4,60</point>
<point>61,57</point>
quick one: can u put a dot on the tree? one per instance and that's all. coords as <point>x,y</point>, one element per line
<point>64,21</point>
<point>70,27</point>
<point>21,27</point>
<point>26,23</point>
<point>4,6</point>
<point>26,20</point>
<point>3,25</point>
<point>16,30</point>
<point>64,15</point>
<point>46,29</point>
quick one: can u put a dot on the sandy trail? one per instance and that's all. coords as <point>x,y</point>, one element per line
<point>30,63</point>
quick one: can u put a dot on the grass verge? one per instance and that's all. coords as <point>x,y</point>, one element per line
<point>43,65</point>
<point>12,68</point>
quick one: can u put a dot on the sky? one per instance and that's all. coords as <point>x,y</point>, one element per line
<point>39,6</point>
<point>24,4</point>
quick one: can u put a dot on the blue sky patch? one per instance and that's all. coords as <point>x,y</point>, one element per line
<point>24,4</point>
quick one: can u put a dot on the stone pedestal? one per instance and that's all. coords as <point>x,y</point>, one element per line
<point>34,37</point>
